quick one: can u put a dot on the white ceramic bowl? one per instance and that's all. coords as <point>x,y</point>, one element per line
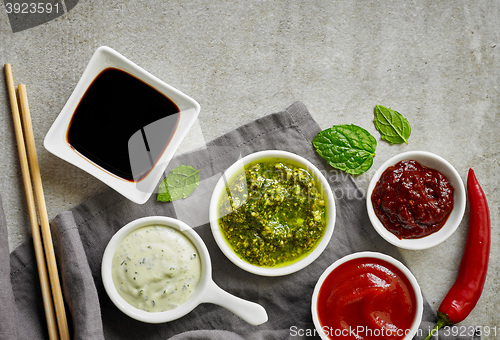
<point>207,290</point>
<point>56,139</point>
<point>416,289</point>
<point>276,155</point>
<point>432,161</point>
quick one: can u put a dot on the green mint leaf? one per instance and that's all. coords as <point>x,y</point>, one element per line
<point>349,148</point>
<point>180,183</point>
<point>163,193</point>
<point>393,127</point>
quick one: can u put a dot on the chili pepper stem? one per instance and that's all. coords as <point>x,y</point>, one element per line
<point>443,320</point>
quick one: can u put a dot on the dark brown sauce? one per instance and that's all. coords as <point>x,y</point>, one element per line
<point>411,200</point>
<point>123,124</point>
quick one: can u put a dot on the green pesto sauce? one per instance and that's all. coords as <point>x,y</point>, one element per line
<point>274,213</point>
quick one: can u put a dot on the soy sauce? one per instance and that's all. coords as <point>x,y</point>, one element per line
<point>123,124</point>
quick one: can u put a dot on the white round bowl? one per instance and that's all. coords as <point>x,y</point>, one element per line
<point>435,162</point>
<point>207,290</point>
<point>416,289</point>
<point>276,155</point>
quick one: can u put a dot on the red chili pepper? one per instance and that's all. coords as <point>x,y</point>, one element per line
<point>466,290</point>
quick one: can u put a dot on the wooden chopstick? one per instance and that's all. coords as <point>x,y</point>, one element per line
<point>51,290</point>
<point>35,231</point>
<point>62,323</point>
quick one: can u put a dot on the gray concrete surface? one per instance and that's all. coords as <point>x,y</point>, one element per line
<point>436,62</point>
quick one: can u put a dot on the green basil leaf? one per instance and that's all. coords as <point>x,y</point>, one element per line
<point>349,148</point>
<point>393,127</point>
<point>180,183</point>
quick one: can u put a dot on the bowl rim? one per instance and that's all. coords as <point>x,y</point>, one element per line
<point>294,266</point>
<point>55,140</point>
<point>370,254</point>
<point>156,317</point>
<point>436,162</point>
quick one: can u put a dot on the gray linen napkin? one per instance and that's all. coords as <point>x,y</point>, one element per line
<point>8,309</point>
<point>81,235</point>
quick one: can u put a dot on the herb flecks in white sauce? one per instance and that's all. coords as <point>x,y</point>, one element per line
<point>156,268</point>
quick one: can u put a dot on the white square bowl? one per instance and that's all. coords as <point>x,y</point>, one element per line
<point>56,140</point>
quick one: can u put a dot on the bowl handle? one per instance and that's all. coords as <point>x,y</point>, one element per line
<point>251,312</point>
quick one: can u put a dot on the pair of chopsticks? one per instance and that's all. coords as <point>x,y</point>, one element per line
<point>55,314</point>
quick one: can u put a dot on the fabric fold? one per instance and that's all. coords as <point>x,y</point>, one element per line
<point>79,289</point>
<point>8,308</point>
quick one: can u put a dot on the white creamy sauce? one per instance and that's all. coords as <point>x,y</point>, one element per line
<point>156,268</point>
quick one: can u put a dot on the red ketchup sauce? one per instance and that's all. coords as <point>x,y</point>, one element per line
<point>411,200</point>
<point>366,298</point>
